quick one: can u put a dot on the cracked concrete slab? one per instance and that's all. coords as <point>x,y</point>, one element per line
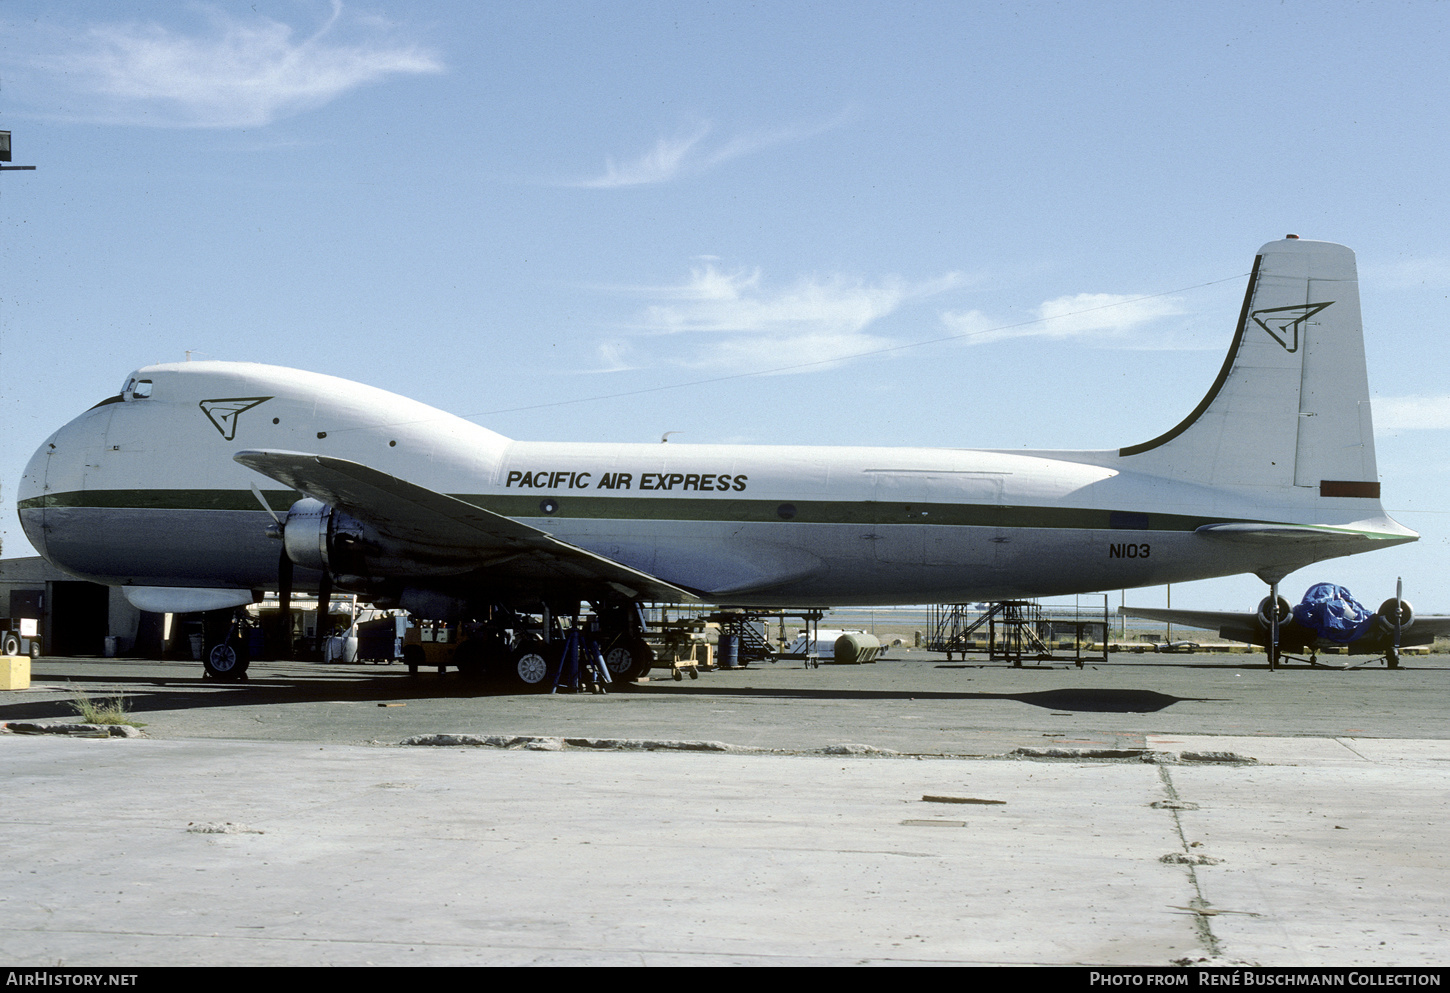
<point>353,855</point>
<point>768,817</point>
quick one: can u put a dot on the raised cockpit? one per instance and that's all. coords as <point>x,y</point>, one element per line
<point>136,389</point>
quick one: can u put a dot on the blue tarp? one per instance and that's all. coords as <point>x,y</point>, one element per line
<point>1332,613</point>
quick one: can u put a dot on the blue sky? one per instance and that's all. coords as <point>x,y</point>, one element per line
<point>607,221</point>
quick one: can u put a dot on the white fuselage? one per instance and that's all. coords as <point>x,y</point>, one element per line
<point>750,525</point>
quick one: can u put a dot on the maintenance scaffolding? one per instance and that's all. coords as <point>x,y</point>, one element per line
<point>1014,630</point>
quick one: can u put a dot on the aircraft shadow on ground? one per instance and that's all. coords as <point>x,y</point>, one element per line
<point>1095,700</point>
<point>147,694</point>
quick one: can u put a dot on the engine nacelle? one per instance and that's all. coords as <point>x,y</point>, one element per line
<point>1385,616</point>
<point>325,539</point>
<point>1265,615</point>
<point>358,556</point>
<point>304,534</point>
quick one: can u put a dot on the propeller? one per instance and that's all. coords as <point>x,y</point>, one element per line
<point>1274,626</point>
<point>283,636</point>
<point>324,595</point>
<point>1399,609</point>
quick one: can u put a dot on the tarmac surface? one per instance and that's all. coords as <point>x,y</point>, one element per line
<point>1148,810</point>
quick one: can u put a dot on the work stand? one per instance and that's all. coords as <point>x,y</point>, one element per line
<point>581,665</point>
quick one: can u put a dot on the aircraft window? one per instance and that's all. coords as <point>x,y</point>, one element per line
<point>135,389</point>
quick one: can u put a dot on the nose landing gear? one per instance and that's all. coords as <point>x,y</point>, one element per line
<point>224,647</point>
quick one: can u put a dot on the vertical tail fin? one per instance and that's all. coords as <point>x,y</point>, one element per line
<point>1290,407</point>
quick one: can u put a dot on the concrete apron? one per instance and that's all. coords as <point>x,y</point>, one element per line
<point>214,852</point>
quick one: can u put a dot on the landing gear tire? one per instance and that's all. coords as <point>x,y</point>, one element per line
<point>530,666</point>
<point>629,660</point>
<point>226,661</point>
<point>618,661</point>
<point>412,658</point>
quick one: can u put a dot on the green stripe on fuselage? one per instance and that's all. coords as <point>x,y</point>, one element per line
<point>164,500</point>
<point>720,509</point>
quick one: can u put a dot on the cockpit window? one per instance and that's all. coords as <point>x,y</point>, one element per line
<point>136,389</point>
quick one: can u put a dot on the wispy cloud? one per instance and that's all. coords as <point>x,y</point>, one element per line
<point>1089,316</point>
<point>1411,413</point>
<point>660,164</point>
<point>736,321</point>
<point>691,151</point>
<point>236,73</point>
<point>613,357</point>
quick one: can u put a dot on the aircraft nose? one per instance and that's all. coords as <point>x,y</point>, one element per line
<point>55,477</point>
<point>30,495</point>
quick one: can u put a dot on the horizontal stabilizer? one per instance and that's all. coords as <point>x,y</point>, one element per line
<point>1302,535</point>
<point>510,549</point>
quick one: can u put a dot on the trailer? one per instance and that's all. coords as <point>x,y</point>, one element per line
<point>20,636</point>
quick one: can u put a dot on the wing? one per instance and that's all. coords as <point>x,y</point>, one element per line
<point>1238,626</point>
<point>511,550</point>
<point>1208,620</point>
<point>1437,626</point>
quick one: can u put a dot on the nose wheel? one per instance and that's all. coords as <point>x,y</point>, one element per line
<point>226,662</point>
<point>225,657</point>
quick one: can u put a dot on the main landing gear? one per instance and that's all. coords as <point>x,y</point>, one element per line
<point>621,641</point>
<point>586,652</point>
<point>530,665</point>
<point>578,657</point>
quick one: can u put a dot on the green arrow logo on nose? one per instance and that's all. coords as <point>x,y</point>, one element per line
<point>223,412</point>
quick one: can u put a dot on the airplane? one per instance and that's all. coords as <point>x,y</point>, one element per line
<point>1328,616</point>
<point>177,487</point>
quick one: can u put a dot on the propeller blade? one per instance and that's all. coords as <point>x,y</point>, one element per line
<point>284,580</point>
<point>257,492</point>
<point>324,595</point>
<point>1399,610</point>
<point>1274,626</point>
<point>284,601</point>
